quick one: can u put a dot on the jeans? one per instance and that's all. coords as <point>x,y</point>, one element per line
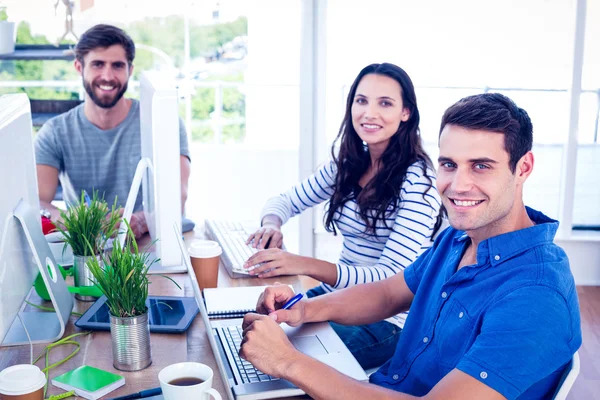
<point>371,344</point>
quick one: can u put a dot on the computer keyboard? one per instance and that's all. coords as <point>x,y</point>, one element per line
<point>232,239</point>
<point>249,374</point>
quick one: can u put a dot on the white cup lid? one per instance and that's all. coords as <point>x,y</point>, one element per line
<point>21,379</point>
<point>204,249</point>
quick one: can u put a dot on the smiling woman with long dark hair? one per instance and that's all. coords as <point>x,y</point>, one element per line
<point>380,189</point>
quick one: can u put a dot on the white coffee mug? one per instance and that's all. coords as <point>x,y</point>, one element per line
<point>200,391</point>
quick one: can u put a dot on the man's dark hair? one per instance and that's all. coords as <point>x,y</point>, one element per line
<point>104,36</point>
<point>496,113</point>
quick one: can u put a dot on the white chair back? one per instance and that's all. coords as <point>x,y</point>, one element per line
<point>568,378</point>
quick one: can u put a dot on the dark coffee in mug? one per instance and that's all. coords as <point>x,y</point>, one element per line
<point>186,381</point>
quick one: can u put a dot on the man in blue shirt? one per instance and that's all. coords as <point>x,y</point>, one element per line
<point>493,307</point>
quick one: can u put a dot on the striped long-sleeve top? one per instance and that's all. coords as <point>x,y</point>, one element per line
<point>368,257</point>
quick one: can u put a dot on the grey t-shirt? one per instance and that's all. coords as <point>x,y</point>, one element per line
<point>89,158</point>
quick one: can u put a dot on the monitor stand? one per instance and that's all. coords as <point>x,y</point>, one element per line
<point>158,268</point>
<point>43,327</point>
<point>144,166</point>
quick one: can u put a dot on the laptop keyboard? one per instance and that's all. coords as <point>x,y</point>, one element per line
<point>232,239</point>
<point>249,374</point>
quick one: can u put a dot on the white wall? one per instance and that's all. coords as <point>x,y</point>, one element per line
<point>272,77</point>
<point>233,182</point>
<point>584,257</point>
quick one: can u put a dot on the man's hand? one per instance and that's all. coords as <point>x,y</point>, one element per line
<point>138,224</point>
<point>47,177</point>
<point>266,345</point>
<point>276,262</point>
<point>271,301</point>
<point>269,233</point>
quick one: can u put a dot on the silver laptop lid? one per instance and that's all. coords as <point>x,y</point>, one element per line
<point>203,313</point>
<point>249,391</point>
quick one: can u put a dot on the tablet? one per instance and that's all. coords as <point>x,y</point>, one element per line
<point>166,314</point>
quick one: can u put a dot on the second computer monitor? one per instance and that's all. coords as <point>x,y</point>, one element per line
<point>159,123</point>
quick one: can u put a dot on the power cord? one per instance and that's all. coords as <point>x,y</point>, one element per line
<point>46,352</point>
<point>47,349</point>
<point>50,309</point>
<point>62,395</point>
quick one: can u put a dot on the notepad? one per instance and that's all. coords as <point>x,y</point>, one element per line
<point>232,302</point>
<point>89,382</point>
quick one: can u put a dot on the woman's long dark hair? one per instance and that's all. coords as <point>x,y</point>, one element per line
<point>352,161</point>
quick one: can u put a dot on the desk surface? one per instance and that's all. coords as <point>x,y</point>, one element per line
<point>167,349</point>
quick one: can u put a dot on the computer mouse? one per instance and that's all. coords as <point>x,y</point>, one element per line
<point>187,224</point>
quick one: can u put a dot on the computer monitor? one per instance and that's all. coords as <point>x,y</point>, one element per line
<point>23,249</point>
<point>159,171</point>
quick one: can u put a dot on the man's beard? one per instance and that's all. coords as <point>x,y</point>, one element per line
<point>108,103</point>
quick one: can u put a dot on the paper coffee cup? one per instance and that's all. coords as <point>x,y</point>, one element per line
<point>204,255</point>
<point>22,382</point>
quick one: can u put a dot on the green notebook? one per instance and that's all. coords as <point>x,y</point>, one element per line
<point>89,382</point>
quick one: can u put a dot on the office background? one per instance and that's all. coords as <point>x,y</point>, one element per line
<point>263,83</point>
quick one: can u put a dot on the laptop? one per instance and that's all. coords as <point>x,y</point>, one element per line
<point>241,380</point>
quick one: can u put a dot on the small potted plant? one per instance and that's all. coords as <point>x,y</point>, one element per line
<point>7,32</point>
<point>86,227</point>
<point>122,276</point>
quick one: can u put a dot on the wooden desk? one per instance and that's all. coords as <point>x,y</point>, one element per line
<point>96,349</point>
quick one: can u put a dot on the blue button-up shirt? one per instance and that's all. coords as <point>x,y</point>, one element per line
<point>511,320</point>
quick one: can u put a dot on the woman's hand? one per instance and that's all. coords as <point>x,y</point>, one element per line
<point>276,262</point>
<point>269,236</point>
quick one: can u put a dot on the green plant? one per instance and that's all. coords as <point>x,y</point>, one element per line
<point>3,14</point>
<point>123,277</point>
<point>92,224</point>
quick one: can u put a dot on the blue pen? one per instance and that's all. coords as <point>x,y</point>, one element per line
<point>292,301</point>
<point>140,395</point>
<point>86,197</point>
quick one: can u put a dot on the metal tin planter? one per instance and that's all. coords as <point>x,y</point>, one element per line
<point>82,276</point>
<point>130,342</point>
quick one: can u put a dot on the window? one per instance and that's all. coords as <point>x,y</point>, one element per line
<point>455,49</point>
<point>586,213</point>
<point>237,69</point>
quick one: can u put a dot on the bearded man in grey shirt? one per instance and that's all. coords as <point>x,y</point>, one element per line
<point>97,145</point>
